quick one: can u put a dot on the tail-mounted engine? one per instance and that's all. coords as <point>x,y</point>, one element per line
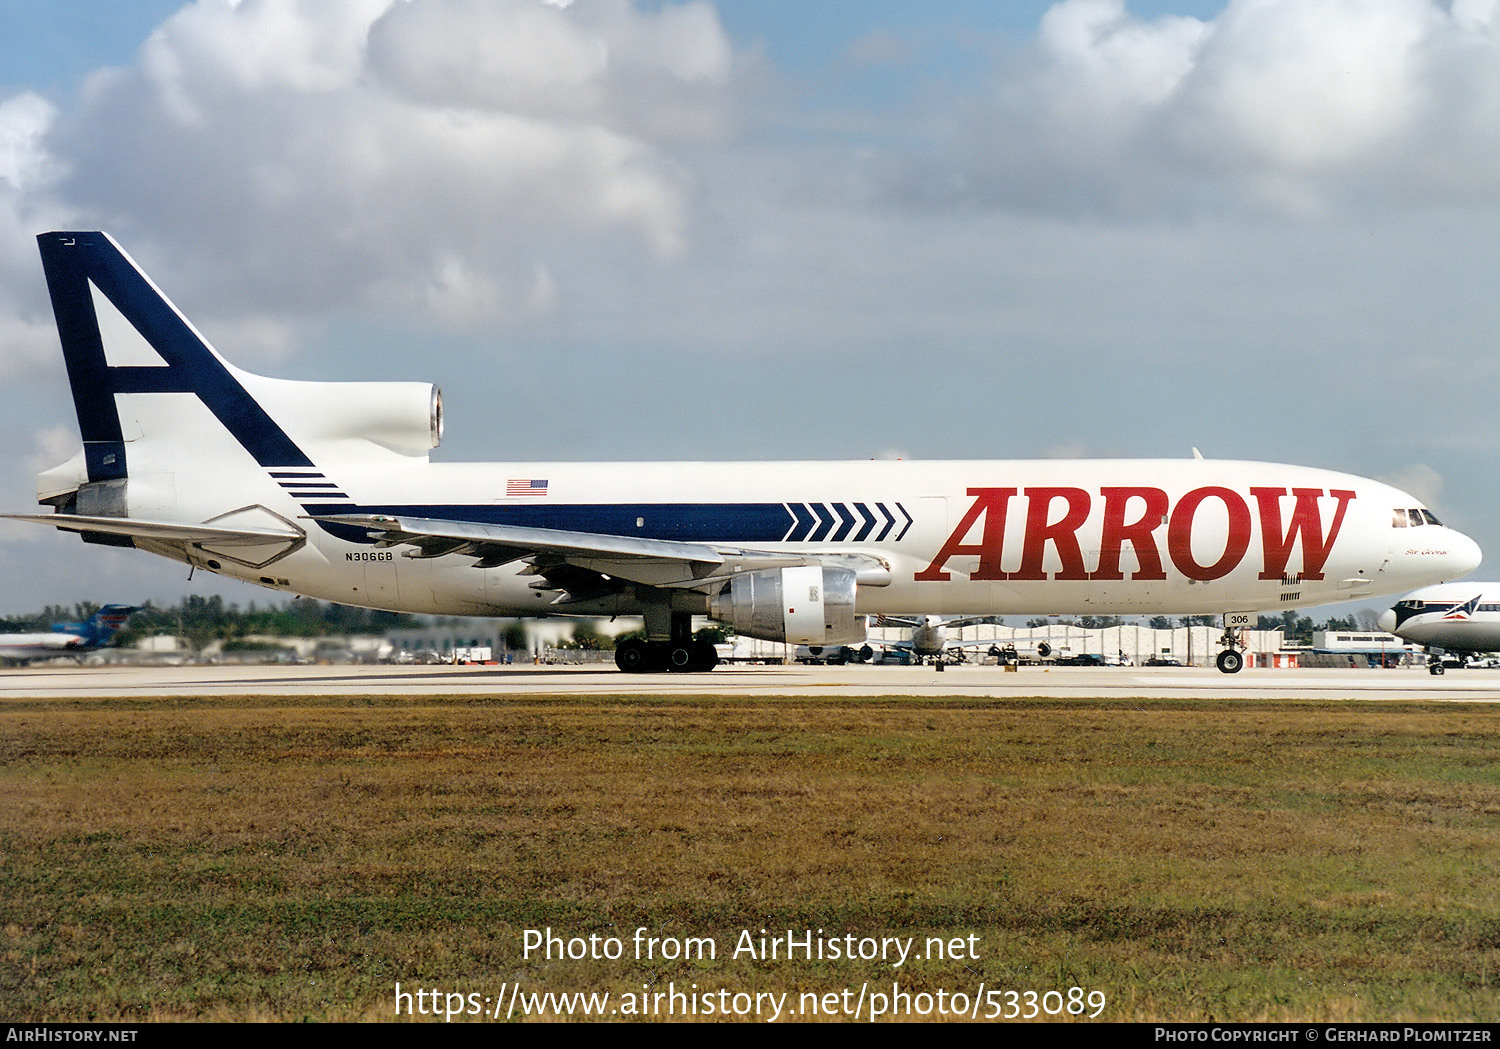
<point>404,417</point>
<point>805,605</point>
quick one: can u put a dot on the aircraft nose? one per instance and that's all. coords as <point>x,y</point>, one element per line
<point>1387,621</point>
<point>1463,556</point>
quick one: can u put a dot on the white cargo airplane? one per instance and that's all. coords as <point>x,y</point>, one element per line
<point>929,640</point>
<point>325,489</point>
<point>1458,617</point>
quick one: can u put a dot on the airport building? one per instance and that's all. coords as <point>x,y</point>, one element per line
<point>1135,644</point>
<point>1189,646</point>
<point>1352,648</point>
<point>458,640</point>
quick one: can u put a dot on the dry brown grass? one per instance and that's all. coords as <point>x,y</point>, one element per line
<point>287,858</point>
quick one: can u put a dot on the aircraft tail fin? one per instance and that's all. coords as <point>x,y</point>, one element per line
<point>125,343</point>
<point>120,335</point>
<point>103,624</point>
<point>100,628</point>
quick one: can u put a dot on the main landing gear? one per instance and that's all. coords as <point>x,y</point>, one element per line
<point>679,653</point>
<point>637,656</point>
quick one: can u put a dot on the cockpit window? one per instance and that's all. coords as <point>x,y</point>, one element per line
<point>1412,517</point>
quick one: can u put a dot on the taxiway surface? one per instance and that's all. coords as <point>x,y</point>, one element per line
<point>1412,683</point>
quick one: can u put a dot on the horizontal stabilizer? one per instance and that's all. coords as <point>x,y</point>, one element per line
<point>165,531</point>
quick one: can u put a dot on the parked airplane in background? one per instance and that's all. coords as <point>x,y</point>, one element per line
<point>929,641</point>
<point>67,639</point>
<point>1459,617</point>
<point>929,636</point>
<point>325,489</point>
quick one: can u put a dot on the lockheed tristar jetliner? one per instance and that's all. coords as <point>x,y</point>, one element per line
<point>1459,617</point>
<point>325,489</point>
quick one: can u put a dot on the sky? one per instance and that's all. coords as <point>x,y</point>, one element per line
<point>619,229</point>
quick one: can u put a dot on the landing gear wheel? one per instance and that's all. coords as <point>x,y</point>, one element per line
<point>632,656</point>
<point>705,656</point>
<point>670,650</point>
<point>1434,668</point>
<point>1232,659</point>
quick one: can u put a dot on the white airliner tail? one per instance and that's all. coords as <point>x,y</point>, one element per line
<point>125,344</point>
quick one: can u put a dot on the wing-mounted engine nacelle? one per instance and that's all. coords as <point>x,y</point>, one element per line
<point>805,605</point>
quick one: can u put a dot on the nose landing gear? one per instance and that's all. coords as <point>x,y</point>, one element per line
<point>1434,663</point>
<point>1232,659</point>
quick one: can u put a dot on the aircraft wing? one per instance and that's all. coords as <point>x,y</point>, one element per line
<point>973,644</point>
<point>962,621</point>
<point>948,622</point>
<point>550,551</point>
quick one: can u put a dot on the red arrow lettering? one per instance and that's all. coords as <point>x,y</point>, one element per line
<point>1134,515</point>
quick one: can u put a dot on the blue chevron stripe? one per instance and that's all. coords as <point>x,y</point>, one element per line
<point>846,519</point>
<point>908,522</point>
<point>747,523</point>
<point>824,525</point>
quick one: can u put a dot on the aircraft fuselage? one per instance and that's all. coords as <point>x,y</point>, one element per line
<point>1107,536</point>
<point>1460,617</point>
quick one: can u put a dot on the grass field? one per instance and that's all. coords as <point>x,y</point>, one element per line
<point>291,858</point>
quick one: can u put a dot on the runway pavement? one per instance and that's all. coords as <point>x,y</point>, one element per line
<point>1056,682</point>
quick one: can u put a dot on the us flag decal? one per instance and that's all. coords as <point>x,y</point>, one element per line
<point>525,486</point>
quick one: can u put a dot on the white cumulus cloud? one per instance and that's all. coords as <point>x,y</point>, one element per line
<point>1292,106</point>
<point>29,172</point>
<point>442,146</point>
